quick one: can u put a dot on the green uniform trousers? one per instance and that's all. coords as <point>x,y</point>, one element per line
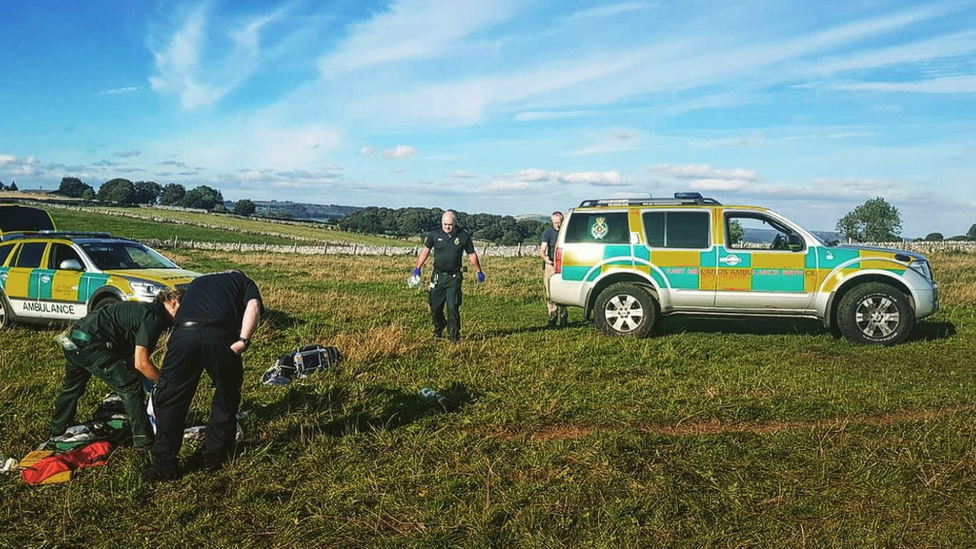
<point>446,291</point>
<point>95,359</point>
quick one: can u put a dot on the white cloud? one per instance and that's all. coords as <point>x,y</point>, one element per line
<point>461,174</point>
<point>414,29</point>
<point>367,151</point>
<point>704,172</point>
<point>117,91</point>
<point>948,84</point>
<point>128,154</point>
<point>611,10</point>
<point>196,64</point>
<point>532,116</point>
<point>717,185</point>
<point>534,175</point>
<point>504,186</point>
<point>401,151</point>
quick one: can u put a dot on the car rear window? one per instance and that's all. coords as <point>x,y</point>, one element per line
<point>676,229</point>
<point>598,227</point>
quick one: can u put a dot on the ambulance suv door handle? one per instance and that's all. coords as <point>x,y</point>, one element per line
<point>731,260</point>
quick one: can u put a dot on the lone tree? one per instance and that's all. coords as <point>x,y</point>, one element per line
<point>203,197</point>
<point>934,237</point>
<point>118,190</point>
<point>873,221</point>
<point>972,231</point>
<point>72,187</point>
<point>244,207</point>
<point>172,195</point>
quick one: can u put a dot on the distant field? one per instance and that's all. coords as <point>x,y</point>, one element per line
<point>196,227</point>
<point>709,434</point>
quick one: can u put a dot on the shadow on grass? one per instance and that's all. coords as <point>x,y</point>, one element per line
<point>280,320</point>
<point>933,331</point>
<point>743,325</point>
<point>381,409</point>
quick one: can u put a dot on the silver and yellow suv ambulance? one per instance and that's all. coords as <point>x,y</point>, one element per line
<point>51,276</point>
<point>628,261</point>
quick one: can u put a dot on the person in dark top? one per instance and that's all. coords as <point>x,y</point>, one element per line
<point>218,315</point>
<point>449,244</point>
<point>115,344</point>
<point>548,250</point>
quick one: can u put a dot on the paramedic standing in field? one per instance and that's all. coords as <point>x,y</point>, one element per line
<point>219,312</point>
<point>547,250</point>
<point>115,344</point>
<point>449,244</point>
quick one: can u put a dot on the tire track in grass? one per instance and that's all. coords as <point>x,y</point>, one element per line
<point>575,431</point>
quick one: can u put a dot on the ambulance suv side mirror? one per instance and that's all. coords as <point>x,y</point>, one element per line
<point>71,265</point>
<point>794,242</point>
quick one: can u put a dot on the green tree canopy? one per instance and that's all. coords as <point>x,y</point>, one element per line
<point>12,186</point>
<point>172,194</point>
<point>118,190</point>
<point>873,221</point>
<point>73,187</point>
<point>934,237</point>
<point>972,231</point>
<point>203,197</point>
<point>147,192</point>
<point>244,207</point>
<point>88,195</point>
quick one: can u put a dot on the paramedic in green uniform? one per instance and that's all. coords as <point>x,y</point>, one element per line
<point>449,244</point>
<point>114,344</point>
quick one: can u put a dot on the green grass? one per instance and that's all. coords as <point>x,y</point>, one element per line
<point>237,228</point>
<point>709,434</point>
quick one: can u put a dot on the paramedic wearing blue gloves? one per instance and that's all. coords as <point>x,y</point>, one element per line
<point>449,244</point>
<point>213,327</point>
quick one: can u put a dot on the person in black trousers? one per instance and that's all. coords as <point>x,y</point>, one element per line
<point>449,244</point>
<point>218,314</point>
<point>115,344</point>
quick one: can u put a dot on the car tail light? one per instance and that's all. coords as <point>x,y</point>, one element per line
<point>558,267</point>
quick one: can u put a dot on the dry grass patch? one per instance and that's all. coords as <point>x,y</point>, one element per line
<point>379,342</point>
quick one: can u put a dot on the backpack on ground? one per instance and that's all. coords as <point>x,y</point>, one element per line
<point>300,364</point>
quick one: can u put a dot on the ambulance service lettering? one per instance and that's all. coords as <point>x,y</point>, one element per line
<point>53,308</point>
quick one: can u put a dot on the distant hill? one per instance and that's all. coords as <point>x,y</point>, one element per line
<point>298,210</point>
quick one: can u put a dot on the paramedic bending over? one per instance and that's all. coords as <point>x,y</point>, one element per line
<point>114,344</point>
<point>213,328</point>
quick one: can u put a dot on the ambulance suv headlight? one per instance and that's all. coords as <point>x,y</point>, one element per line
<point>921,267</point>
<point>146,289</point>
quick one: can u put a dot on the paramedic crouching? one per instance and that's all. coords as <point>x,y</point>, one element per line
<point>115,344</point>
<point>219,312</point>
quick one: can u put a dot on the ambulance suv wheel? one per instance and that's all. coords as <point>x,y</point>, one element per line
<point>875,313</point>
<point>105,302</point>
<point>625,309</point>
<point>4,312</point>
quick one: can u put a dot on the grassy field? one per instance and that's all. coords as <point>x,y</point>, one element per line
<point>198,226</point>
<point>709,434</point>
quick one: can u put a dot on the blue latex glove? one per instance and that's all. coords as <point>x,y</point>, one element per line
<point>481,276</point>
<point>416,272</point>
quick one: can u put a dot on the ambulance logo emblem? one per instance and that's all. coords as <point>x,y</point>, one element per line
<point>599,229</point>
<point>457,241</point>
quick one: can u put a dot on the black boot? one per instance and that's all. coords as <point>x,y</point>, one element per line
<point>563,322</point>
<point>552,323</point>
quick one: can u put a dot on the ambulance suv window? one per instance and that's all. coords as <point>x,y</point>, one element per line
<point>30,254</point>
<point>676,229</point>
<point>598,228</point>
<point>755,231</point>
<point>61,252</point>
<point>5,252</point>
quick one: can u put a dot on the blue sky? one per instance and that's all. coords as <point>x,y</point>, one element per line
<point>503,106</point>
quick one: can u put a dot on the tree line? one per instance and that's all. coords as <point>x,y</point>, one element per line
<point>125,192</point>
<point>408,222</point>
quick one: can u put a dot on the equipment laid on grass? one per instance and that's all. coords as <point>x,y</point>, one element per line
<point>447,404</point>
<point>300,364</point>
<point>40,467</point>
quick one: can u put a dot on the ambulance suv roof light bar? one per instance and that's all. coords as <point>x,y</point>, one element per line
<point>679,198</point>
